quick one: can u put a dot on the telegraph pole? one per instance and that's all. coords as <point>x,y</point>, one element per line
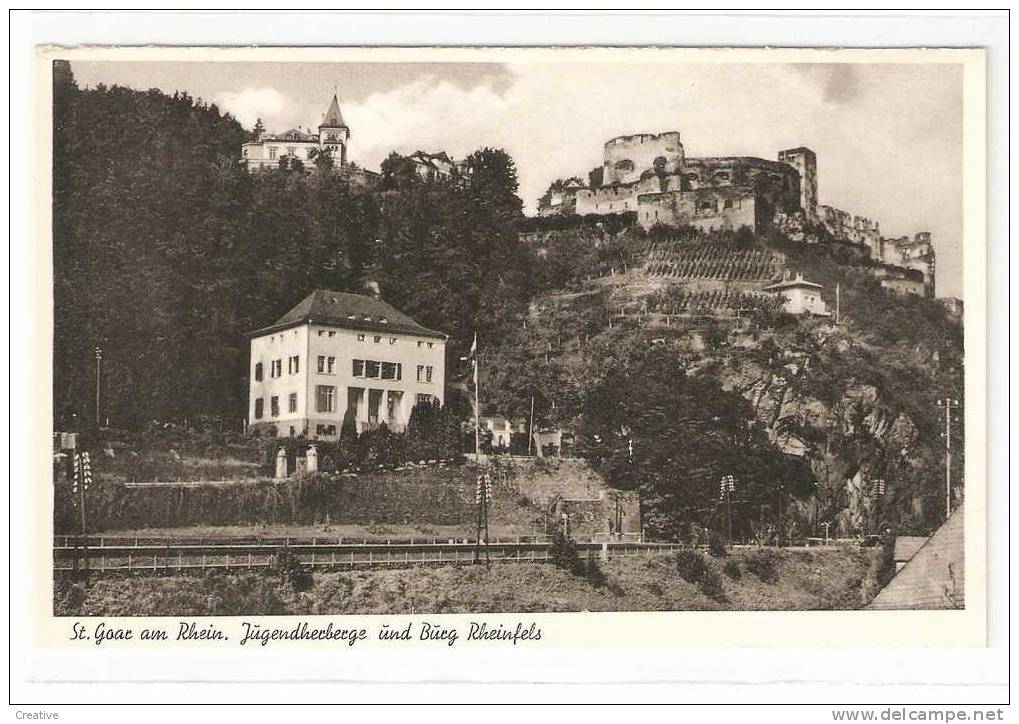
<point>877,493</point>
<point>481,498</point>
<point>948,404</point>
<point>99,362</point>
<point>530,429</point>
<point>728,486</point>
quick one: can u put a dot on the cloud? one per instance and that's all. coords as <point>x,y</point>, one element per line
<point>427,114</point>
<point>869,125</point>
<point>249,104</point>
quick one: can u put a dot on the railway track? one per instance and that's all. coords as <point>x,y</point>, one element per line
<point>113,556</point>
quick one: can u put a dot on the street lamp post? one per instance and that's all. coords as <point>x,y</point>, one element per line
<point>948,404</point>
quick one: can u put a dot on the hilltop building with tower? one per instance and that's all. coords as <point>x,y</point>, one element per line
<point>649,175</point>
<point>267,150</point>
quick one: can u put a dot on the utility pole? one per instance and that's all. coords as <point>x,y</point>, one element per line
<point>837,302</point>
<point>877,493</point>
<point>99,362</point>
<point>948,404</point>
<point>530,429</point>
<point>82,479</point>
<point>728,486</point>
<point>481,498</point>
<point>484,480</point>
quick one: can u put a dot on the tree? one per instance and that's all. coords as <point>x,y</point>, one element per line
<point>323,159</point>
<point>649,426</point>
<point>398,172</point>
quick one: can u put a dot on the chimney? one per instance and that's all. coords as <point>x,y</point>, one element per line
<point>372,288</point>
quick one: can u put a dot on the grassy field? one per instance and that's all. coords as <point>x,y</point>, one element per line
<point>794,580</point>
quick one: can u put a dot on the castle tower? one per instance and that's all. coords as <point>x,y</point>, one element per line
<point>805,161</point>
<point>333,133</point>
<point>628,158</point>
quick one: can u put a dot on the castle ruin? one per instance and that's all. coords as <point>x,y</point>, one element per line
<point>650,175</point>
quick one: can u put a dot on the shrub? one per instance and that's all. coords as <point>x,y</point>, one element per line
<point>288,568</point>
<point>716,546</point>
<point>691,566</point>
<point>732,570</point>
<point>566,556</point>
<point>710,584</point>
<point>564,553</point>
<point>761,563</point>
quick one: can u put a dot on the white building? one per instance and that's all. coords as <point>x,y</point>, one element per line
<point>801,296</point>
<point>436,166</point>
<point>502,429</point>
<point>333,136</point>
<point>336,351</point>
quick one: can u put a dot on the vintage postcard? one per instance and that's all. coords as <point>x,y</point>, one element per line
<point>511,347</point>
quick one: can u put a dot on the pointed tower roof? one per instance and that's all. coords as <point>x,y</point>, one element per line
<point>333,118</point>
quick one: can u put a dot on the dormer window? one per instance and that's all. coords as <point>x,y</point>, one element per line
<point>384,320</point>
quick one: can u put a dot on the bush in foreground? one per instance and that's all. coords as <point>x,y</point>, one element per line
<point>761,563</point>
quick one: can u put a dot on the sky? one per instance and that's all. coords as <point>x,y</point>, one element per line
<point>888,137</point>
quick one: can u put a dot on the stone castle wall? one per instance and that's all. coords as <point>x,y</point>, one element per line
<point>626,158</point>
<point>708,209</point>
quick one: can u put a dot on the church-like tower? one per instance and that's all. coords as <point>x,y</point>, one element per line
<point>333,133</point>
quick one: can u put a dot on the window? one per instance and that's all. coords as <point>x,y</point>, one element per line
<point>274,406</point>
<point>392,340</point>
<point>428,374</point>
<point>272,153</point>
<point>378,338</point>
<point>372,369</point>
<point>325,429</point>
<point>358,368</point>
<point>727,204</point>
<point>291,151</point>
<point>325,398</point>
<point>332,334</point>
<point>424,399</point>
<point>429,345</point>
<point>258,372</point>
<point>360,337</point>
<point>292,402</point>
<point>294,364</point>
<point>320,333</point>
<point>420,343</point>
<point>421,373</point>
<point>259,408</point>
<point>390,371</point>
<point>330,362</point>
<point>276,369</point>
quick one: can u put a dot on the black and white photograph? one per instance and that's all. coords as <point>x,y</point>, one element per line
<point>501,357</point>
<point>553,334</point>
